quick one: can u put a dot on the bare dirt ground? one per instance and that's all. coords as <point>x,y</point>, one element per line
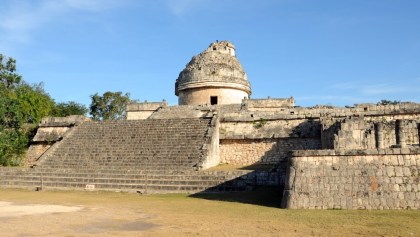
<point>8,209</point>
<point>72,213</point>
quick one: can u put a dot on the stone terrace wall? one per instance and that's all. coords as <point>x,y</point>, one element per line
<point>262,151</point>
<point>266,142</point>
<point>354,179</point>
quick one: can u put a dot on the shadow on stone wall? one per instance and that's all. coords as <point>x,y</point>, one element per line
<point>261,185</point>
<point>308,129</point>
<point>265,184</point>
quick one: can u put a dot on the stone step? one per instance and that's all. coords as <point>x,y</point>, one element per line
<point>127,187</point>
<point>84,176</point>
<point>151,188</point>
<point>207,183</point>
<point>112,171</point>
<point>164,144</point>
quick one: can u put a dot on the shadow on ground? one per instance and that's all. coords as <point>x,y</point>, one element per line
<point>269,196</point>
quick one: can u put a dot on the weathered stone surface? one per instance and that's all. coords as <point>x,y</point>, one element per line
<point>133,143</point>
<point>214,72</point>
<point>359,184</point>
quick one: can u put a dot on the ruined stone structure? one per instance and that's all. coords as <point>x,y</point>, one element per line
<point>215,76</point>
<point>361,157</point>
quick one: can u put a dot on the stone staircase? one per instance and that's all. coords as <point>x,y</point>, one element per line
<point>141,181</point>
<point>145,156</point>
<point>135,144</point>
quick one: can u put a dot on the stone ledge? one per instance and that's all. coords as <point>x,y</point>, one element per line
<point>389,151</point>
<point>63,121</point>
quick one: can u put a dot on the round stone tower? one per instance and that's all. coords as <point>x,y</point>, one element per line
<point>215,76</point>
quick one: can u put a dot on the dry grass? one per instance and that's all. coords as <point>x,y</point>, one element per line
<point>237,214</point>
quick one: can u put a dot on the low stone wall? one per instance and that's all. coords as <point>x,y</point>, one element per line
<point>270,104</point>
<point>262,151</point>
<point>405,111</point>
<point>354,179</point>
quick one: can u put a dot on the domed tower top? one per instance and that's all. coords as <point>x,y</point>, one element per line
<point>225,47</point>
<point>214,76</point>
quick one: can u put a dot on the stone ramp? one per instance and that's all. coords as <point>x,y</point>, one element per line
<point>132,144</point>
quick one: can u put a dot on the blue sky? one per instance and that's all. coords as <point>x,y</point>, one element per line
<point>319,51</point>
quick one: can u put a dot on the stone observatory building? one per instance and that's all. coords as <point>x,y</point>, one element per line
<point>365,156</point>
<point>214,76</point>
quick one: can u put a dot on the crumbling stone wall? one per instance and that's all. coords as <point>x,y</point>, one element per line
<point>143,110</point>
<point>354,179</point>
<point>360,133</point>
<point>51,130</point>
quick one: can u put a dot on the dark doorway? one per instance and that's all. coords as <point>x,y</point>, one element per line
<point>213,100</point>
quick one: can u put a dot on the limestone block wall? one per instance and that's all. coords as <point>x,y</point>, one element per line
<point>354,179</point>
<point>262,151</point>
<point>201,95</point>
<point>263,128</point>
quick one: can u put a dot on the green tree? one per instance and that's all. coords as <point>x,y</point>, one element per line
<point>11,115</point>
<point>109,106</point>
<point>8,75</point>
<point>35,103</point>
<point>388,102</point>
<point>22,106</point>
<point>13,144</point>
<point>69,108</point>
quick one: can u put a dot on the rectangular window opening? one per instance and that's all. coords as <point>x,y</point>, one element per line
<point>213,100</point>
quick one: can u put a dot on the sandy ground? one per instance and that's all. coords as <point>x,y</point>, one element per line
<point>8,209</point>
<point>67,213</point>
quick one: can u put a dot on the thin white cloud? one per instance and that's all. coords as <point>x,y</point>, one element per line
<point>327,98</point>
<point>19,19</point>
<point>389,89</point>
<point>381,89</point>
<point>376,89</point>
